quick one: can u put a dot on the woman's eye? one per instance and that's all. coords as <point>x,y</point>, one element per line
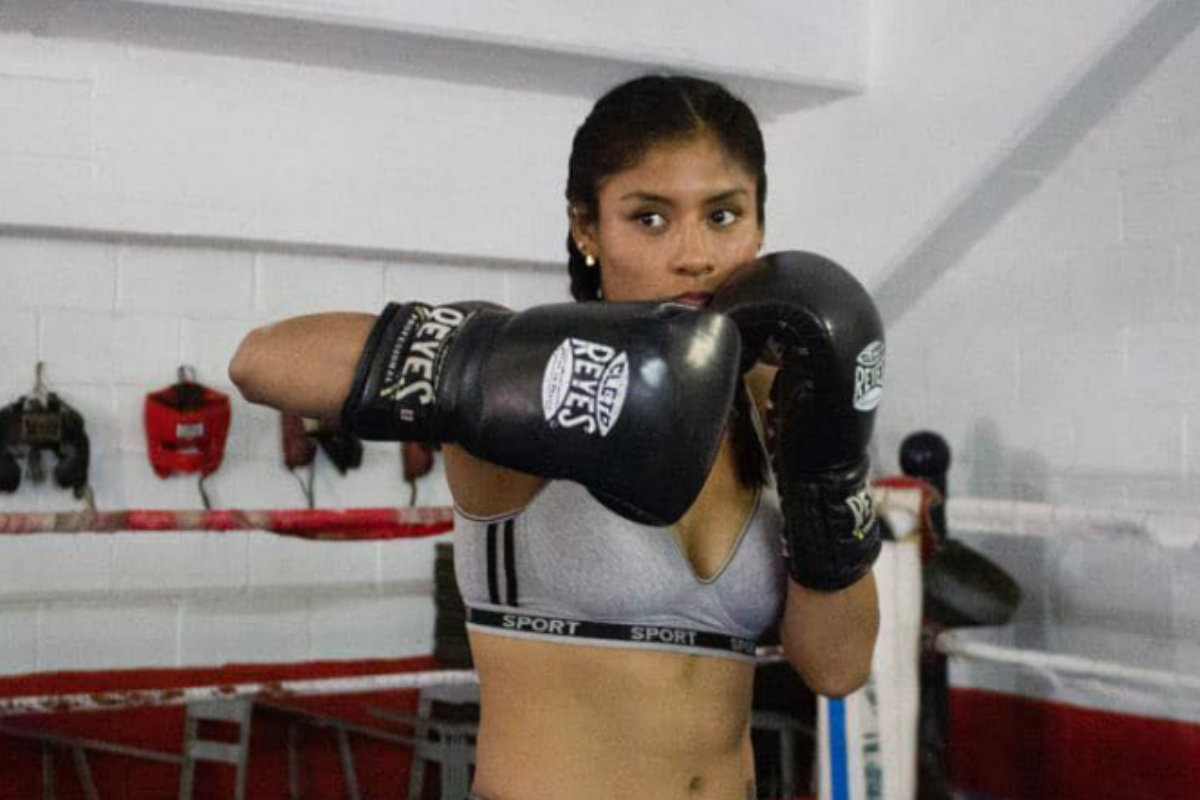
<point>724,216</point>
<point>651,219</point>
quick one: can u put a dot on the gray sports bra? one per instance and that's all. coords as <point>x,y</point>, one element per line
<point>565,568</point>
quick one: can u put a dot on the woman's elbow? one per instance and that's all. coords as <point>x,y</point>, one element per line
<point>833,669</point>
<point>835,682</point>
<point>243,367</point>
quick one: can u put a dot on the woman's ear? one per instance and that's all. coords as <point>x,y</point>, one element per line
<point>583,230</point>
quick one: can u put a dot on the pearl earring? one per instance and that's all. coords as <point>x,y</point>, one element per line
<point>590,260</point>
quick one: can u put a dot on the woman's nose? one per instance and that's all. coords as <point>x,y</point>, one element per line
<point>694,269</point>
<point>693,258</point>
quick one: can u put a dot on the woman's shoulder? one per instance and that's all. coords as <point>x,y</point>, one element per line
<point>483,489</point>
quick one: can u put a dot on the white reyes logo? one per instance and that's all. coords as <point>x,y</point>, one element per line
<point>584,386</point>
<point>868,377</point>
<point>414,376</point>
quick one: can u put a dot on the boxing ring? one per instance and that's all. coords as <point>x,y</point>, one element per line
<point>865,743</point>
<point>1091,692</point>
<point>232,702</point>
<point>1051,705</point>
<point>408,724</point>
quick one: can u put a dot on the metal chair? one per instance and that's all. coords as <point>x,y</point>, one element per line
<point>447,742</point>
<point>236,712</point>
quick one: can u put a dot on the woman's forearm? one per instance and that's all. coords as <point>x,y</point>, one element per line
<point>303,364</point>
<point>829,637</point>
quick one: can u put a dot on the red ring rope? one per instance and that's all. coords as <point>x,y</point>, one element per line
<point>353,524</point>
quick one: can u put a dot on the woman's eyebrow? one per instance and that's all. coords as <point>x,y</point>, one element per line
<point>650,197</point>
<point>729,195</point>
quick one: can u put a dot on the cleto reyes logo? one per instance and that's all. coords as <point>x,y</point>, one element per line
<point>584,386</point>
<point>868,377</point>
<point>862,507</point>
<point>413,377</point>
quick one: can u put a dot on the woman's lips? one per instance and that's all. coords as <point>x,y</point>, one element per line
<point>694,299</point>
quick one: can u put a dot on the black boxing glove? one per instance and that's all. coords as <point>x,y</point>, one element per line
<point>629,399</point>
<point>829,338</point>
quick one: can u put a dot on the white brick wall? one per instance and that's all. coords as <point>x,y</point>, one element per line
<point>175,143</point>
<point>18,640</point>
<point>113,321</point>
<point>104,137</point>
<point>1090,287</point>
<point>107,636</point>
<point>953,87</point>
<point>63,128</point>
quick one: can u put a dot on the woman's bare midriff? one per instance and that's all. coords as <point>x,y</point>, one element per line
<point>577,722</point>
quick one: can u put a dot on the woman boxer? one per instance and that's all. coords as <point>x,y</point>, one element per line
<point>612,615</point>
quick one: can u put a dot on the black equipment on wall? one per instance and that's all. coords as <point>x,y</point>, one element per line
<point>302,438</point>
<point>39,424</point>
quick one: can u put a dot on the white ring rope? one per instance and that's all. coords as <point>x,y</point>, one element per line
<point>961,646</point>
<point>144,698</point>
<point>1016,518</point>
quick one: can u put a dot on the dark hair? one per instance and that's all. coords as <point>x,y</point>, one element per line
<point>635,116</point>
<point>624,124</point>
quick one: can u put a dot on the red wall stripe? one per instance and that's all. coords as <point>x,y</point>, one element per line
<point>1018,748</point>
<point>383,767</point>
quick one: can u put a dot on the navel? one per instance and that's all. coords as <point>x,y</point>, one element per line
<point>696,785</point>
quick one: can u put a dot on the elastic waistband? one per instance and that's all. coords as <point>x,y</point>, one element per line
<point>655,637</point>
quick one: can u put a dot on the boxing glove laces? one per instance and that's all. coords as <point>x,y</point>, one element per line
<point>828,337</point>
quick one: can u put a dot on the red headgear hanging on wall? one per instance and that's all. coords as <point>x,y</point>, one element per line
<point>186,428</point>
